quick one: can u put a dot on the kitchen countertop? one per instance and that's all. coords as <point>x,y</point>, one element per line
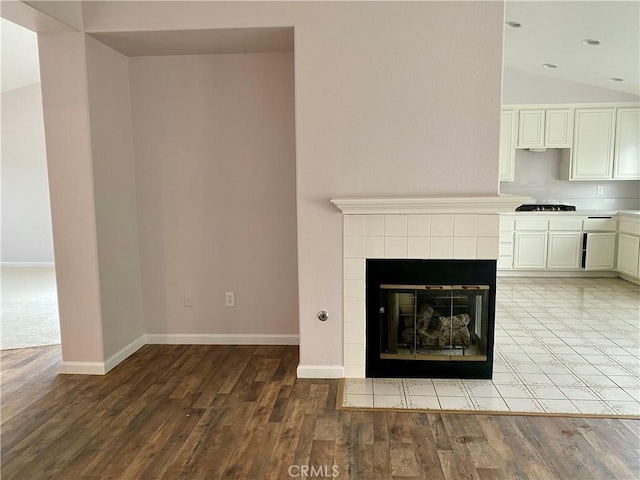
<point>581,213</point>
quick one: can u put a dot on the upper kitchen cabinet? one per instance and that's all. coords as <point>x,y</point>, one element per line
<point>507,145</point>
<point>591,157</point>
<point>626,157</point>
<point>545,127</point>
<point>558,127</point>
<point>531,128</point>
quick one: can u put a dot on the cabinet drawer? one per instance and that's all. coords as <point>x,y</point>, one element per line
<point>536,225</point>
<point>629,227</point>
<point>566,224</point>
<point>600,224</point>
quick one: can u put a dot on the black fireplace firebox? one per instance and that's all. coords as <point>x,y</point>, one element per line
<point>430,318</point>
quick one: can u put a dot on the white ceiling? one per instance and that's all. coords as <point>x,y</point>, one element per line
<point>19,57</point>
<point>552,32</point>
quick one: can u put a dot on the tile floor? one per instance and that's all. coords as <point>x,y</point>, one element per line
<point>563,345</point>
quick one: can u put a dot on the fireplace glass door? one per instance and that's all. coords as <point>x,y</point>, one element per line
<point>434,322</point>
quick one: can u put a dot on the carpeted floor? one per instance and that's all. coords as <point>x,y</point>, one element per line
<point>29,308</point>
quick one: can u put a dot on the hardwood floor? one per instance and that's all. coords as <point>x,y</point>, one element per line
<point>209,412</point>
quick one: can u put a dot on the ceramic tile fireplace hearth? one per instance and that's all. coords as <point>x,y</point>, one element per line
<point>428,228</point>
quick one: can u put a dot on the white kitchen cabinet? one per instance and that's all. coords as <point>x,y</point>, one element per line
<point>507,225</point>
<point>531,128</point>
<point>593,140</point>
<point>626,160</point>
<point>564,250</point>
<point>628,254</point>
<point>600,224</point>
<point>530,250</point>
<point>558,127</point>
<point>600,251</point>
<point>507,145</point>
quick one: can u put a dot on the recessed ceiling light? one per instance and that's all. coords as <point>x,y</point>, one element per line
<point>591,41</point>
<point>616,79</point>
<point>512,24</point>
<point>549,65</point>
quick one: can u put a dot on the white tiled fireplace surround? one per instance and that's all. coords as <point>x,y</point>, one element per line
<point>465,228</point>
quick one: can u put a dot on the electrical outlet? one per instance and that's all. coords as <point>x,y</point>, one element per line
<point>188,301</point>
<point>599,190</point>
<point>229,299</point>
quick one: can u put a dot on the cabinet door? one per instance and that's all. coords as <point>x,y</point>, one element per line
<point>558,127</point>
<point>531,128</point>
<point>628,247</point>
<point>507,145</point>
<point>626,159</point>
<point>592,154</point>
<point>600,251</point>
<point>564,250</point>
<point>530,251</point>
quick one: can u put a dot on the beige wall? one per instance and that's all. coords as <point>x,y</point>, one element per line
<point>215,169</point>
<point>26,213</point>
<point>115,196</point>
<point>392,98</point>
<point>66,119</point>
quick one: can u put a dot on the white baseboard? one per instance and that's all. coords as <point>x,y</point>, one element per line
<point>101,368</point>
<point>551,274</point>
<point>220,339</point>
<point>123,353</point>
<point>27,264</point>
<point>320,371</point>
<point>629,278</point>
<point>81,368</point>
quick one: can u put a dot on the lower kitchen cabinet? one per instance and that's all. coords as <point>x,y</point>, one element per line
<point>628,252</point>
<point>564,250</point>
<point>562,244</point>
<point>600,250</point>
<point>530,251</point>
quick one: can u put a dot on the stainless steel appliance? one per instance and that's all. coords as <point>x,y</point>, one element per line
<point>540,207</point>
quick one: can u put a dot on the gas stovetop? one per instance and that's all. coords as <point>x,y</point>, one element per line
<point>540,207</point>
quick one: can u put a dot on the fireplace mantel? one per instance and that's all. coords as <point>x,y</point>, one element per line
<point>429,205</point>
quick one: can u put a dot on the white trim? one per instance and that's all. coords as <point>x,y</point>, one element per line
<point>629,278</point>
<point>550,273</point>
<point>81,368</point>
<point>118,357</point>
<point>27,264</point>
<point>320,371</point>
<point>451,205</point>
<point>220,339</point>
<point>101,368</point>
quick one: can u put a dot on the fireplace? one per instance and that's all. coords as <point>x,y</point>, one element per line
<point>434,229</point>
<point>430,318</point>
